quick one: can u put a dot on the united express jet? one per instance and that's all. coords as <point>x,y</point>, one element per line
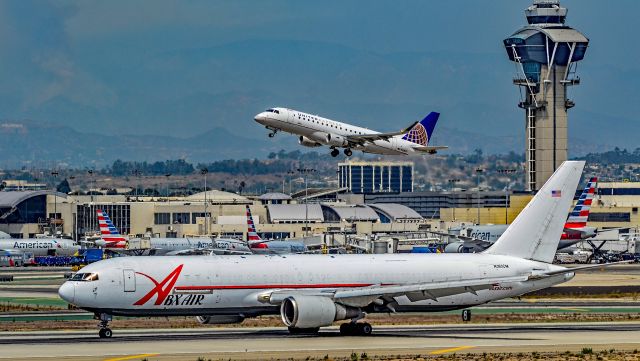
<point>316,131</point>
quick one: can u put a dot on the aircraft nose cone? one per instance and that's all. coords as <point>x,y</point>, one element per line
<point>260,118</point>
<point>67,292</point>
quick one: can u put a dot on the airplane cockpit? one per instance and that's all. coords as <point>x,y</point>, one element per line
<point>272,111</point>
<point>84,277</point>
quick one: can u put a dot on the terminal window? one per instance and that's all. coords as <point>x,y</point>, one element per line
<point>161,218</point>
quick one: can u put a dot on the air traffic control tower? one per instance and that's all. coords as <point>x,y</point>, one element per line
<point>545,53</point>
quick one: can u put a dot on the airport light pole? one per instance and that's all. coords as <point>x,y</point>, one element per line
<point>290,174</point>
<point>305,172</point>
<point>506,193</point>
<point>452,183</point>
<point>55,201</point>
<point>90,171</point>
<point>168,175</point>
<point>204,172</point>
<point>478,171</point>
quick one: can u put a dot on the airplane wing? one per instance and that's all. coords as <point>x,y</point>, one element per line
<point>362,296</point>
<point>468,241</point>
<point>430,149</point>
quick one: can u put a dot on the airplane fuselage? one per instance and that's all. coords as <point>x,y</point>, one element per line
<point>232,285</point>
<point>41,246</point>
<point>162,246</point>
<point>315,131</point>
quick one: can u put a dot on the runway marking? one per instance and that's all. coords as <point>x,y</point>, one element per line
<point>447,350</point>
<point>574,309</point>
<point>132,357</point>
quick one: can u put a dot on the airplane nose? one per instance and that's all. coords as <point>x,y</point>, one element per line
<point>260,118</point>
<point>67,292</point>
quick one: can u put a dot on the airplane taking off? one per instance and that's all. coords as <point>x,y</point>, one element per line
<point>575,230</point>
<point>312,291</point>
<point>113,240</point>
<point>316,131</point>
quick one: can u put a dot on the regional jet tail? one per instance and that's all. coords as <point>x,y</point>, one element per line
<point>316,131</point>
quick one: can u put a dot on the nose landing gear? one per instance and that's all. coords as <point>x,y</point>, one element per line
<point>105,331</point>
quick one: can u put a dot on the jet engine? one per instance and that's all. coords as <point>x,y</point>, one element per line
<point>308,142</point>
<point>219,319</point>
<point>336,140</point>
<point>314,311</point>
<point>455,247</point>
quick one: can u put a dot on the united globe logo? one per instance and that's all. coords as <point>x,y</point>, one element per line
<point>417,135</point>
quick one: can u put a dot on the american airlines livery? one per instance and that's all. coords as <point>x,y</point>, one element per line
<point>263,246</point>
<point>575,228</point>
<point>113,240</point>
<point>312,291</point>
<point>316,131</point>
<point>41,246</point>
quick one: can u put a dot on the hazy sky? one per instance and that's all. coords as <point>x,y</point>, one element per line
<point>186,67</point>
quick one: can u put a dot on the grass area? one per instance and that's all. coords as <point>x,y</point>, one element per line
<point>584,354</point>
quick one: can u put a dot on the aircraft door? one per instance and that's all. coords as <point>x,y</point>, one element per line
<point>129,280</point>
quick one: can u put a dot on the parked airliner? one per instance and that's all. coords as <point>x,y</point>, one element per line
<point>113,240</point>
<point>316,131</point>
<point>312,291</point>
<point>41,246</point>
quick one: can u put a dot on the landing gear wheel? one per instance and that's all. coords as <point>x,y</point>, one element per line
<point>348,152</point>
<point>105,333</point>
<point>271,135</point>
<point>466,315</point>
<point>303,331</point>
<point>355,329</point>
<point>335,152</point>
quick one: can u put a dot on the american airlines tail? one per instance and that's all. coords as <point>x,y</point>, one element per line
<point>421,132</point>
<point>579,216</point>
<point>252,236</point>
<point>536,232</point>
<point>108,232</point>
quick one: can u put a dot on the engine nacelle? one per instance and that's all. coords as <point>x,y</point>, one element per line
<point>314,311</point>
<point>336,140</point>
<point>308,142</point>
<point>219,319</point>
<point>455,247</point>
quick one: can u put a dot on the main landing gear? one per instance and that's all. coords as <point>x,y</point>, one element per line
<point>356,329</point>
<point>105,331</point>
<point>334,152</point>
<point>348,152</point>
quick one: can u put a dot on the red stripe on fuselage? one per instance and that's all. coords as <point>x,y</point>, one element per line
<point>259,287</point>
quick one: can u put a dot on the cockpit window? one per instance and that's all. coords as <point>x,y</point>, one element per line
<point>273,111</point>
<point>85,277</point>
<point>276,111</point>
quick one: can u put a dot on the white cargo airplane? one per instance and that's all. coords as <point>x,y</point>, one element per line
<point>316,131</point>
<point>312,291</point>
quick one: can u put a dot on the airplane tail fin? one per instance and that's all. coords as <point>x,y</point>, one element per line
<point>580,213</point>
<point>108,232</point>
<point>536,232</point>
<point>423,130</point>
<point>252,235</point>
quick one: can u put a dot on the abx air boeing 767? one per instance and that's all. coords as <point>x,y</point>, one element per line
<point>312,291</point>
<point>316,131</point>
